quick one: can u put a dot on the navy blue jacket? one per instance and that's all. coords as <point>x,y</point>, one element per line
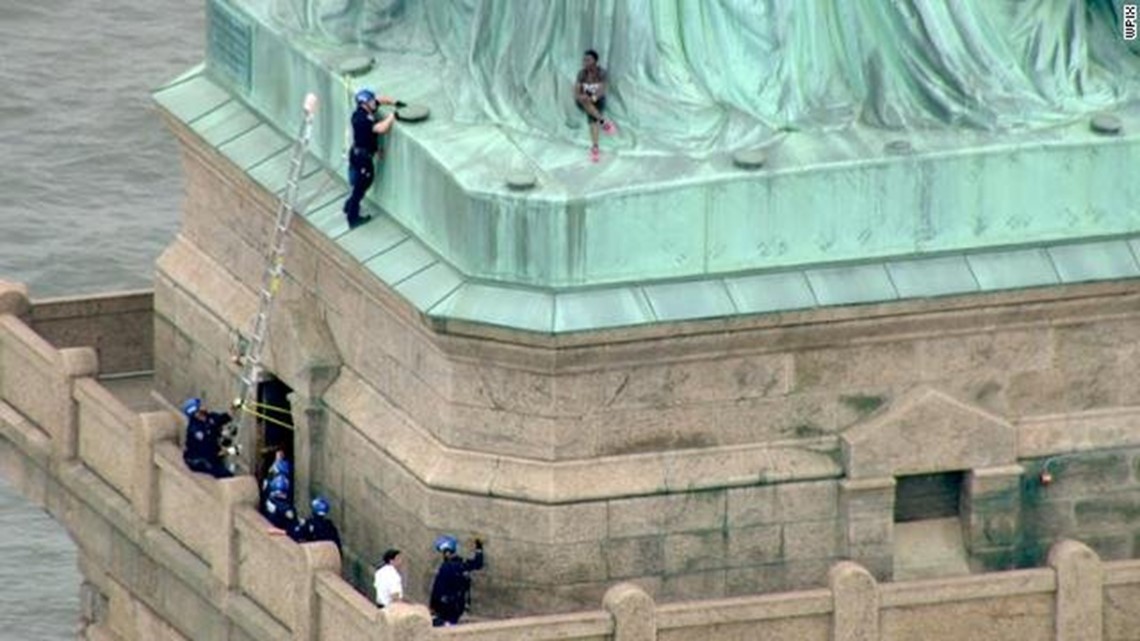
<point>280,512</point>
<point>316,528</point>
<point>449,591</point>
<point>202,436</point>
<point>364,140</point>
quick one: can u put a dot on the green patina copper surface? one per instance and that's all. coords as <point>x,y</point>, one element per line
<point>1003,183</point>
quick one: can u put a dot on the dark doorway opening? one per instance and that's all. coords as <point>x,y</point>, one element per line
<point>275,420</point>
<point>927,496</point>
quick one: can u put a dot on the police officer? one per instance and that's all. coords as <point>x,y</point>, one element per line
<point>279,467</point>
<point>203,451</point>
<point>317,527</point>
<point>277,507</point>
<point>366,132</point>
<point>449,591</point>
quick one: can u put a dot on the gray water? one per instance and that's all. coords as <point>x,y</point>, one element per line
<point>90,187</point>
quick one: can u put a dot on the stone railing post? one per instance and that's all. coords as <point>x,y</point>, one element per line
<point>78,362</point>
<point>855,595</point>
<point>319,557</point>
<point>13,298</point>
<point>634,613</point>
<point>407,622</point>
<point>14,302</point>
<point>234,492</point>
<point>1080,592</point>
<point>154,427</point>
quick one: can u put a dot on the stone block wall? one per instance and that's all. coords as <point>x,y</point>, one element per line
<point>710,542</point>
<point>1094,495</point>
<point>993,517</point>
<point>152,571</point>
<point>589,444</point>
<point>695,385</point>
<point>118,326</point>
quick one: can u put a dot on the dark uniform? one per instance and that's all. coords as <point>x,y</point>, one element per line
<point>203,446</point>
<point>279,469</point>
<point>451,587</point>
<point>361,170</point>
<point>280,512</point>
<point>316,528</point>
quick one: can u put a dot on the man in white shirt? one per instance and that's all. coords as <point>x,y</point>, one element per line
<point>388,582</point>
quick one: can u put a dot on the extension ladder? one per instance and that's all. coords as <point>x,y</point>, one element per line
<point>250,360</point>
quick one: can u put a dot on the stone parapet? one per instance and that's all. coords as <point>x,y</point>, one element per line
<point>538,442</point>
<point>170,553</point>
<point>782,511</point>
<point>153,427</point>
<point>42,388</point>
<point>343,612</point>
<point>999,606</point>
<point>146,583</point>
<point>107,430</point>
<point>27,470</point>
<point>269,568</point>
<point>118,326</point>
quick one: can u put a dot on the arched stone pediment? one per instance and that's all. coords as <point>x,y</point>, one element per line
<point>927,431</point>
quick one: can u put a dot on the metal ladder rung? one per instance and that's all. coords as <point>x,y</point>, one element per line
<point>272,277</point>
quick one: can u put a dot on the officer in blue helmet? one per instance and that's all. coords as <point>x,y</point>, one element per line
<point>318,527</point>
<point>366,132</point>
<point>203,452</point>
<point>279,467</point>
<point>277,507</point>
<point>452,585</point>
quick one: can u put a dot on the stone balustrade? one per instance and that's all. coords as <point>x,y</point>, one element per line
<point>167,549</point>
<point>118,325</point>
<point>106,431</point>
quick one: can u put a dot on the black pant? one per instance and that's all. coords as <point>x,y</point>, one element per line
<point>212,466</point>
<point>361,173</point>
<point>439,620</point>
<point>448,610</point>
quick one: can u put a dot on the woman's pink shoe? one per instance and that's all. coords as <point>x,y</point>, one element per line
<point>595,154</point>
<point>609,127</point>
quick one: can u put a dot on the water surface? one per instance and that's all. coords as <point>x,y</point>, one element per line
<point>90,187</point>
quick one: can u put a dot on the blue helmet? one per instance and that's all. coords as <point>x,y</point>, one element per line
<point>191,406</point>
<point>320,506</point>
<point>364,95</point>
<point>446,543</point>
<point>278,485</point>
<point>280,468</point>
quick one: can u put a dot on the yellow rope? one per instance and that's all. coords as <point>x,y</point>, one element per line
<point>266,418</point>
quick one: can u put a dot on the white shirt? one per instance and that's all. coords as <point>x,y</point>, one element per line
<point>389,585</point>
